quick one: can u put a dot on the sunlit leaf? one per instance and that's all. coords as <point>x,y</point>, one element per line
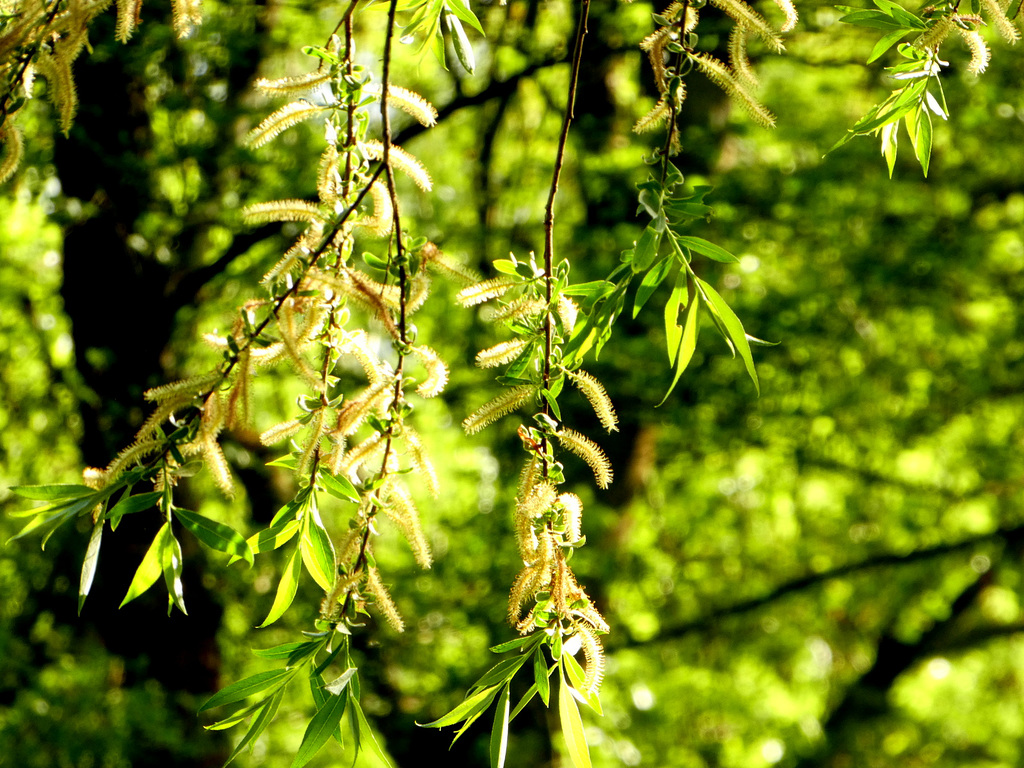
<point>285,589</point>
<point>92,557</point>
<point>572,726</point>
<point>250,686</point>
<point>219,536</point>
<point>499,732</point>
<point>151,567</point>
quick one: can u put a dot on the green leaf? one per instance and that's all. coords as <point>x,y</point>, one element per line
<point>320,728</point>
<point>687,345</point>
<point>52,492</point>
<point>266,715</point>
<point>673,331</point>
<point>469,708</point>
<point>150,568</point>
<point>923,145</point>
<point>705,248</point>
<point>274,537</point>
<point>527,698</point>
<point>646,250</point>
<point>460,42</point>
<point>552,401</point>
<point>92,558</point>
<point>243,689</point>
<point>462,10</point>
<point>572,725</point>
<point>339,487</point>
<point>131,504</point>
<point>502,671</point>
<point>499,733</point>
<point>318,551</point>
<point>364,728</point>
<point>519,642</point>
<point>733,327</point>
<point>285,589</point>
<point>650,283</point>
<point>540,675</point>
<point>293,652</point>
<point>886,42</point>
<point>221,537</point>
<point>170,556</point>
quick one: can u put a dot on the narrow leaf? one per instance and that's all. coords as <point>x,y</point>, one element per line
<point>132,504</point>
<point>685,350</point>
<point>259,724</point>
<point>734,328</point>
<point>247,687</point>
<point>650,283</point>
<point>219,536</point>
<point>527,698</point>
<point>572,726</point>
<point>285,589</point>
<point>706,248</point>
<point>540,675</point>
<point>364,729</point>
<point>318,551</point>
<point>92,557</point>
<point>150,568</point>
<point>320,728</point>
<point>170,557</point>
<point>339,487</point>
<point>499,733</point>
<point>471,706</point>
<point>51,492</point>
<point>646,249</point>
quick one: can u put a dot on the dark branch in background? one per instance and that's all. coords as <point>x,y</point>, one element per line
<point>712,619</point>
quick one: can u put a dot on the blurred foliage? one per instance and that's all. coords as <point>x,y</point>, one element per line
<point>826,575</point>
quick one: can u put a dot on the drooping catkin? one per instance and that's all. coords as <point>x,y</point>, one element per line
<point>11,150</point>
<point>590,452</point>
<point>402,510</point>
<point>281,210</point>
<point>437,372</point>
<point>420,461</point>
<point>408,101</point>
<point>980,54</point>
<point>597,396</point>
<point>183,390</point>
<point>384,602</point>
<point>400,159</point>
<point>746,16</point>
<point>725,78</point>
<point>494,409</point>
<point>997,16</point>
<point>593,652</point>
<point>213,455</point>
<point>787,7</point>
<point>284,118</point>
<point>572,508</point>
<point>281,431</point>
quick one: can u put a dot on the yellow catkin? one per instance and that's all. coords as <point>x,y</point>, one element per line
<point>384,602</point>
<point>997,16</point>
<point>590,452</point>
<point>494,409</point>
<point>359,454</point>
<point>184,389</point>
<point>456,271</point>
<point>787,7</point>
<point>437,372</point>
<point>523,588</point>
<point>478,293</point>
<point>281,210</point>
<point>980,54</point>
<point>421,462</point>
<point>128,12</point>
<point>746,16</point>
<point>598,398</point>
<point>402,510</point>
<point>593,652</point>
<point>61,92</point>
<point>11,150</point>
<point>218,465</point>
<point>520,309</point>
<point>383,219</point>
<point>502,353</point>
<point>568,312</point>
<point>656,117</point>
<point>725,79</point>
<point>309,448</point>
<point>402,160</point>
<point>280,432</point>
<point>572,508</point>
<point>408,101</point>
<point>936,34</point>
<point>738,55</point>
<point>290,85</point>
<point>284,118</point>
